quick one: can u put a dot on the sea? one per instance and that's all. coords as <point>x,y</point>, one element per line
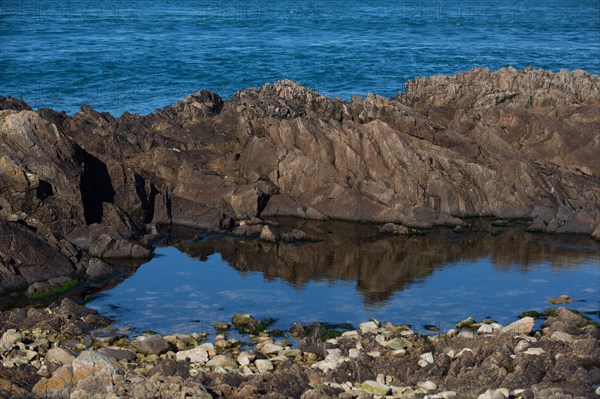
<point>137,56</point>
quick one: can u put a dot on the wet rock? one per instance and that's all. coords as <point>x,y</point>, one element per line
<point>268,233</point>
<point>560,300</point>
<point>151,344</point>
<point>392,228</point>
<point>294,235</point>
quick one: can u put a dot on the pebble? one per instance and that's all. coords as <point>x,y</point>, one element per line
<point>245,358</point>
<point>374,387</point>
<point>9,339</point>
<point>447,394</point>
<point>428,357</point>
<point>428,385</point>
<point>459,354</point>
<point>485,329</point>
<point>501,393</point>
<point>560,300</point>
<point>350,334</point>
<point>398,343</point>
<point>268,349</point>
<point>534,351</point>
<point>263,365</point>
<point>222,361</point>
<point>368,326</point>
<point>353,353</point>
<point>521,346</point>
<point>196,355</point>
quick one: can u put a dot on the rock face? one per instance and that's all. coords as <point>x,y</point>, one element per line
<point>513,144</point>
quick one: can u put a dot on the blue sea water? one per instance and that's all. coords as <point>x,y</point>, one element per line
<point>137,56</point>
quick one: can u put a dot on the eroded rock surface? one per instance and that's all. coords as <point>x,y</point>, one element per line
<point>513,144</point>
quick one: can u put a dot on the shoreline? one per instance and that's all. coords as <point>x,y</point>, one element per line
<point>68,351</point>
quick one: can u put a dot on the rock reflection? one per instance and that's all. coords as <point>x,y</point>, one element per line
<point>382,265</point>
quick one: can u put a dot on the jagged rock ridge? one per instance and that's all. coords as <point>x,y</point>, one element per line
<point>513,144</point>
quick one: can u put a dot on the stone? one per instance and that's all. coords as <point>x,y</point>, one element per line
<point>151,344</point>
<point>562,336</point>
<point>353,353</point>
<point>268,233</point>
<point>398,343</point>
<point>245,323</point>
<point>375,388</point>
<point>222,361</point>
<point>522,326</point>
<point>195,355</point>
<point>428,357</point>
<point>221,326</point>
<point>448,394</point>
<point>465,323</point>
<point>485,329</point>
<point>534,351</point>
<point>263,365</point>
<point>245,358</point>
<point>428,385</point>
<point>501,393</point>
<point>93,375</point>
<point>561,299</point>
<point>9,339</point>
<point>368,326</point>
<point>60,356</point>
<point>294,235</point>
<point>55,386</point>
<point>117,353</point>
<point>270,349</point>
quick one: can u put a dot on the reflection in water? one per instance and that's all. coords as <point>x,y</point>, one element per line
<point>349,273</point>
<point>382,265</point>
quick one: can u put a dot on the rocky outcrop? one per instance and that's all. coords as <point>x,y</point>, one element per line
<point>513,144</point>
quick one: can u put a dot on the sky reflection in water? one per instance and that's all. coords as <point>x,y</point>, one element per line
<point>438,279</point>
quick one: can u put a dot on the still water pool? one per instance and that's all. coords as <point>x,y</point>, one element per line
<point>353,273</point>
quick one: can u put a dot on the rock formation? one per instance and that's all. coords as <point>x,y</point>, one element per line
<point>513,144</point>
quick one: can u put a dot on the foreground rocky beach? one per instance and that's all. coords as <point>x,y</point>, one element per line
<point>66,351</point>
